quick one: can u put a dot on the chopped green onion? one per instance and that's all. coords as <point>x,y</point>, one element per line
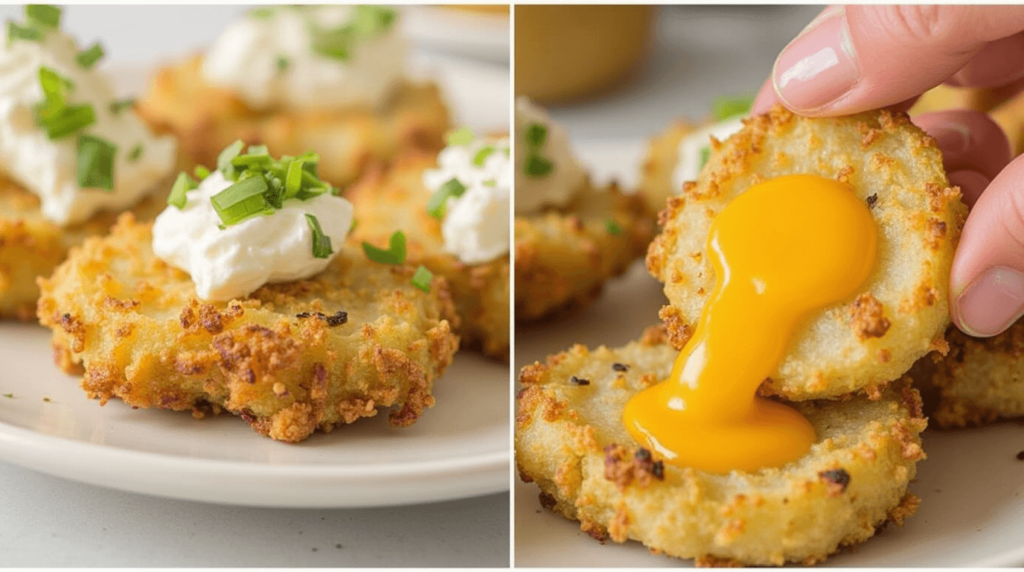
<point>395,254</point>
<point>43,16</point>
<point>226,156</point>
<point>724,108</point>
<point>537,166</point>
<point>182,185</point>
<point>88,58</point>
<point>490,183</point>
<point>421,279</point>
<point>241,200</point>
<point>336,43</point>
<point>261,13</point>
<point>705,154</point>
<point>461,136</point>
<point>321,242</point>
<point>135,153</point>
<point>282,63</point>
<point>119,106</point>
<point>437,202</point>
<point>16,32</point>
<point>536,135</point>
<point>95,163</point>
<point>481,156</point>
<point>612,227</point>
<point>372,20</point>
<point>201,172</point>
<point>53,85</point>
<point>293,179</point>
<point>66,120</point>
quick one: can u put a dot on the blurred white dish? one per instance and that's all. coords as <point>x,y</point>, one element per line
<point>474,34</point>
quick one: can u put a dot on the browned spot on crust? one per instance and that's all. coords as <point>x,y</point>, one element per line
<point>867,317</point>
<point>836,480</point>
<point>623,467</point>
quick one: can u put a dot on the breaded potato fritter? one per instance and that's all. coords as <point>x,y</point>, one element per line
<point>206,119</point>
<point>979,381</point>
<point>31,246</point>
<point>386,201</point>
<point>901,314</point>
<point>657,173</point>
<point>571,442</point>
<point>564,256</point>
<point>289,358</point>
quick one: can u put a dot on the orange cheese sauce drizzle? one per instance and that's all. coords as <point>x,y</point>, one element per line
<point>781,250</point>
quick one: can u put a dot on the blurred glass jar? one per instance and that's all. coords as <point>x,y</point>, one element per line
<point>571,52</point>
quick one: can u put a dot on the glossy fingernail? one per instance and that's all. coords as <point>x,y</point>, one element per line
<point>819,66</point>
<point>991,303</point>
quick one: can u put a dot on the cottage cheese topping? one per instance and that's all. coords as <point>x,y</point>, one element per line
<point>49,167</point>
<point>694,149</point>
<point>280,58</point>
<point>476,224</point>
<point>534,187</point>
<point>234,262</point>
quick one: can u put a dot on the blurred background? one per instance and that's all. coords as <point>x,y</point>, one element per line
<point>623,72</point>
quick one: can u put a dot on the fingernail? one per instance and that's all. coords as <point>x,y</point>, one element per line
<point>953,138</point>
<point>991,303</point>
<point>819,66</point>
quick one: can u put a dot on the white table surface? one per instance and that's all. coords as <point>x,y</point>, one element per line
<point>52,522</point>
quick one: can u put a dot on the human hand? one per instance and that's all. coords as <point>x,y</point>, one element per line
<point>867,57</point>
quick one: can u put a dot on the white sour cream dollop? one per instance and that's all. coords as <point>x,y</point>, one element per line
<point>234,262</point>
<point>563,182</point>
<point>48,168</point>
<point>476,224</point>
<point>692,149</point>
<point>269,61</point>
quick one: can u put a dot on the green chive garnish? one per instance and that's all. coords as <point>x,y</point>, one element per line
<point>321,242</point>
<point>261,13</point>
<point>201,172</point>
<point>182,185</point>
<point>119,106</point>
<point>481,156</point>
<point>395,254</point>
<point>16,32</point>
<point>88,58</point>
<point>536,135</point>
<point>9,395</point>
<point>241,201</point>
<point>135,153</point>
<point>612,227</point>
<point>724,108</point>
<point>537,166</point>
<point>67,120</point>
<point>95,163</point>
<point>226,156</point>
<point>437,202</point>
<point>282,63</point>
<point>461,136</point>
<point>293,179</point>
<point>372,20</point>
<point>421,279</point>
<point>336,43</point>
<point>43,16</point>
<point>705,154</point>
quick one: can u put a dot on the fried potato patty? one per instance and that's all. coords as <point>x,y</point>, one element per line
<point>657,172</point>
<point>979,381</point>
<point>395,199</point>
<point>289,358</point>
<point>564,256</point>
<point>570,441</point>
<point>901,313</point>
<point>31,246</point>
<point>206,119</point>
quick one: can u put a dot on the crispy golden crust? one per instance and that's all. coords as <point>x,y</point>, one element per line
<point>570,441</point>
<point>31,246</point>
<point>386,201</point>
<point>564,256</point>
<point>979,381</point>
<point>283,359</point>
<point>656,174</point>
<point>901,314</point>
<point>206,119</point>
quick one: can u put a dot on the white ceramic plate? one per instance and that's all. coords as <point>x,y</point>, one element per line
<point>460,448</point>
<point>472,34</point>
<point>971,486</point>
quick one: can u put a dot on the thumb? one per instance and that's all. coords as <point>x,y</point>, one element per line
<point>987,281</point>
<point>866,57</point>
